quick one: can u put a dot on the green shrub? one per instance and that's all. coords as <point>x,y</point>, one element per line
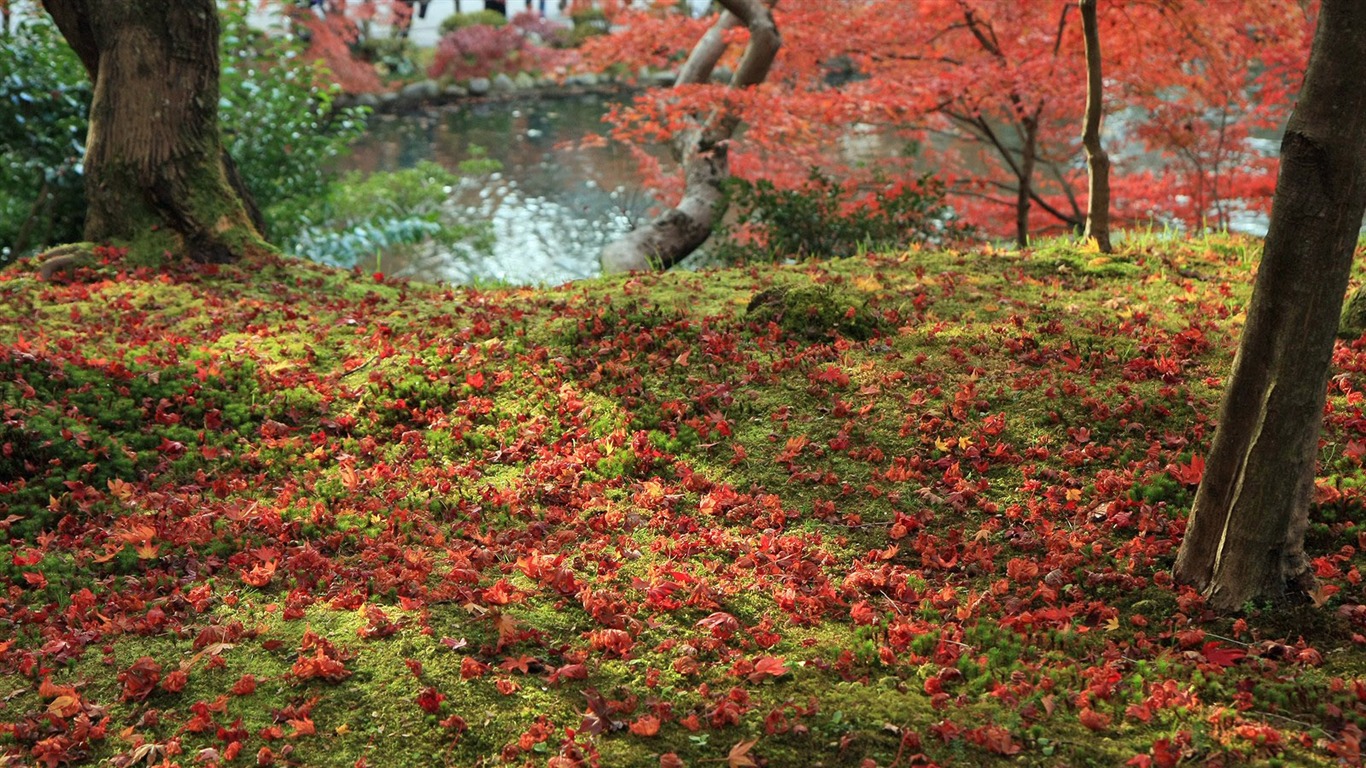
<point>393,213</point>
<point>472,19</point>
<point>44,99</point>
<point>824,219</point>
<point>589,22</point>
<point>280,122</point>
<point>393,57</point>
<point>595,18</point>
<point>277,111</point>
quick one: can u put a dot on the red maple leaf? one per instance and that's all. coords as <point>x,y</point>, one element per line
<point>1221,655</point>
<point>140,679</point>
<point>645,725</point>
<point>766,667</point>
<point>430,700</point>
<point>1096,721</point>
<point>1188,474</point>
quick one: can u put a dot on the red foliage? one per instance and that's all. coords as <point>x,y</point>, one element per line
<point>430,700</point>
<point>325,662</point>
<point>481,50</point>
<point>140,679</point>
<point>962,82</point>
<point>337,30</point>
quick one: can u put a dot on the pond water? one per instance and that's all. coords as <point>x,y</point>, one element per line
<point>553,206</point>
<point>558,200</point>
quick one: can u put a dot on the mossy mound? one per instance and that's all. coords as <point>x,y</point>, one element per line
<point>814,312</point>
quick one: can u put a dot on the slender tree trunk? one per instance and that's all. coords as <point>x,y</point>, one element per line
<point>153,158</point>
<point>702,150</point>
<point>1245,538</point>
<point>1097,161</point>
<point>1028,155</point>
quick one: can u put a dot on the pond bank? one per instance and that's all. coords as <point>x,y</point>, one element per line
<point>428,94</point>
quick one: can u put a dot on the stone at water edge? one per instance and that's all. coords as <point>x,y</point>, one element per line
<point>503,84</point>
<point>425,90</point>
<point>523,81</point>
<point>480,86</point>
<point>587,80</point>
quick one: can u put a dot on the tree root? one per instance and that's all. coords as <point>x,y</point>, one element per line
<point>65,257</point>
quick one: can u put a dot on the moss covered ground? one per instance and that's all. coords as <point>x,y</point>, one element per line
<point>904,509</point>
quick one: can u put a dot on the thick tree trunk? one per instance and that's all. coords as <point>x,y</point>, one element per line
<point>153,159</point>
<point>1245,538</point>
<point>1097,161</point>
<point>702,151</point>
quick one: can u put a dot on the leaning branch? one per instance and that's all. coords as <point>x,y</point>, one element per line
<point>703,149</point>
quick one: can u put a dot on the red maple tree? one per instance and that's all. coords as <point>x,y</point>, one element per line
<point>990,94</point>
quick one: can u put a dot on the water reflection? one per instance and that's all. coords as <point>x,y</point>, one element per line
<point>553,206</point>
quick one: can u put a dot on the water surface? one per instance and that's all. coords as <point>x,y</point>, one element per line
<point>554,205</point>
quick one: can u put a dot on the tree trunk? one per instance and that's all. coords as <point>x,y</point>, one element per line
<point>1245,538</point>
<point>1097,161</point>
<point>702,150</point>
<point>1028,155</point>
<point>154,161</point>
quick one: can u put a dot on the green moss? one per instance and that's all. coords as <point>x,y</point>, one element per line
<point>813,312</point>
<point>1353,321</point>
<point>600,428</point>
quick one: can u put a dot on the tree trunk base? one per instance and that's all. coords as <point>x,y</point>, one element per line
<point>64,258</point>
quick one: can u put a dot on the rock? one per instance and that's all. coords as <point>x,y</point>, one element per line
<point>663,78</point>
<point>523,81</point>
<point>503,84</point>
<point>480,86</point>
<point>722,75</point>
<point>425,90</point>
<point>587,80</point>
<point>388,97</point>
<point>366,100</point>
<point>455,92</point>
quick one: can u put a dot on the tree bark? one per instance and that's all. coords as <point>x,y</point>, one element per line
<point>702,150</point>
<point>154,161</point>
<point>1245,538</point>
<point>1028,155</point>
<point>1097,161</point>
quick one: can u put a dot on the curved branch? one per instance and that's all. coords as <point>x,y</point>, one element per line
<point>703,150</point>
